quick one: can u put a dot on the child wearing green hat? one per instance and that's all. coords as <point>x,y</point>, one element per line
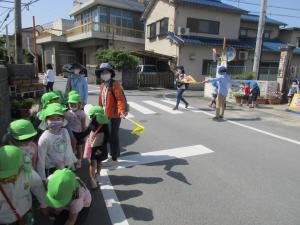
<point>16,185</point>
<point>77,123</point>
<point>54,146</point>
<point>21,133</point>
<point>69,197</point>
<point>96,144</point>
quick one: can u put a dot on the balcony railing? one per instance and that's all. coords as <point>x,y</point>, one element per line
<point>101,28</point>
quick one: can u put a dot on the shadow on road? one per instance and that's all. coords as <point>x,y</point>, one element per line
<point>130,180</point>
<point>137,213</point>
<point>126,139</point>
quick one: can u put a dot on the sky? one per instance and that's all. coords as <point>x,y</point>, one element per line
<point>48,10</point>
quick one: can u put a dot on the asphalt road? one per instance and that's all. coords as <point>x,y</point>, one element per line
<point>188,169</point>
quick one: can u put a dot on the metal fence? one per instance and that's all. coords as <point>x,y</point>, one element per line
<point>160,79</point>
<point>244,72</point>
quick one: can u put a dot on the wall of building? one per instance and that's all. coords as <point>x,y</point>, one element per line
<point>4,101</point>
<point>161,10</point>
<point>127,46</point>
<point>229,21</point>
<point>192,56</point>
<point>290,36</point>
<point>274,29</point>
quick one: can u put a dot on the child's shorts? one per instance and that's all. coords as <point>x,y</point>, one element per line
<point>254,98</point>
<point>79,139</point>
<point>99,153</point>
<point>246,97</point>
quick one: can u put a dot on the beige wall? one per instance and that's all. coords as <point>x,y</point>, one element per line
<point>274,29</point>
<point>290,36</point>
<point>127,46</point>
<point>161,45</point>
<point>229,21</point>
<point>192,56</point>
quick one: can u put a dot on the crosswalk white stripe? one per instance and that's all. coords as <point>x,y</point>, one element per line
<point>158,156</point>
<point>140,108</point>
<point>129,116</point>
<point>193,109</point>
<point>162,107</point>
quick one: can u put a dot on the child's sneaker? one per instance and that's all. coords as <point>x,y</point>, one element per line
<point>93,183</point>
<point>110,163</point>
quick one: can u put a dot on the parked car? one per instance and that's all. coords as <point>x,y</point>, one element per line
<point>68,69</point>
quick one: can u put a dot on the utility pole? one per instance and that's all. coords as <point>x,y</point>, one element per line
<point>7,44</point>
<point>259,38</point>
<point>36,56</point>
<point>18,33</point>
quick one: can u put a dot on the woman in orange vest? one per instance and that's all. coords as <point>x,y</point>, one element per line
<point>113,101</point>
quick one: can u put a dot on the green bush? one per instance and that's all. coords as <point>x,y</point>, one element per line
<point>243,76</point>
<point>120,60</point>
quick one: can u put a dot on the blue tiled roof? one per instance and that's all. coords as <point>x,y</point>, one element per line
<point>245,43</point>
<point>212,3</point>
<point>255,18</point>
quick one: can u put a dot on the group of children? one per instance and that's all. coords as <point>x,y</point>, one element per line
<point>43,160</point>
<point>250,93</point>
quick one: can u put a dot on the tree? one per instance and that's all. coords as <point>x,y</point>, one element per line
<point>2,49</point>
<point>120,60</point>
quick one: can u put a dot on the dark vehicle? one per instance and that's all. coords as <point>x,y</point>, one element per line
<point>68,69</point>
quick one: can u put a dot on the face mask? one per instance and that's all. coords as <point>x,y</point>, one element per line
<point>76,71</point>
<point>55,125</point>
<point>106,76</point>
<point>74,109</point>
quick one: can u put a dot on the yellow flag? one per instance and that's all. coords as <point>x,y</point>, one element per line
<point>138,129</point>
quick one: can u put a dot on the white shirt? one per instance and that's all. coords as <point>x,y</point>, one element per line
<point>50,75</point>
<point>19,194</point>
<point>54,151</point>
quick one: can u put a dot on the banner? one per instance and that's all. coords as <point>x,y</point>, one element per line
<point>295,104</point>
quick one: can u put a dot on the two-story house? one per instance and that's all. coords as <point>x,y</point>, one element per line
<point>187,30</point>
<point>97,24</point>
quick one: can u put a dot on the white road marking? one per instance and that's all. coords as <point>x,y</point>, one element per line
<point>247,127</point>
<point>112,203</point>
<point>140,108</point>
<point>162,107</point>
<point>190,108</point>
<point>163,155</point>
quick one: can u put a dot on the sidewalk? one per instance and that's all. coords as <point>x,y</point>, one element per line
<point>271,113</point>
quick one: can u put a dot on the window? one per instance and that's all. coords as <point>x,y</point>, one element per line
<point>243,32</point>
<point>203,26</point>
<point>164,26</point>
<point>267,34</point>
<point>151,31</point>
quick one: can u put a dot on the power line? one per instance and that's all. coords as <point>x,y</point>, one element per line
<point>269,6</point>
<point>25,6</point>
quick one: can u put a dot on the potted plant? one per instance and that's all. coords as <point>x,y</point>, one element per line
<point>238,97</point>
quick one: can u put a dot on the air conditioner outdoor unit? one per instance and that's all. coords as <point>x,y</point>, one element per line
<point>243,55</point>
<point>183,31</point>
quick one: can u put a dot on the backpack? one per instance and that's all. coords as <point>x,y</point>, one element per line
<point>110,87</point>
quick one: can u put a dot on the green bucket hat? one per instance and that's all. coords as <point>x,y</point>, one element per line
<point>47,97</point>
<point>53,109</point>
<point>11,160</point>
<point>73,92</point>
<point>74,98</point>
<point>61,185</point>
<point>21,130</point>
<point>99,113</point>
